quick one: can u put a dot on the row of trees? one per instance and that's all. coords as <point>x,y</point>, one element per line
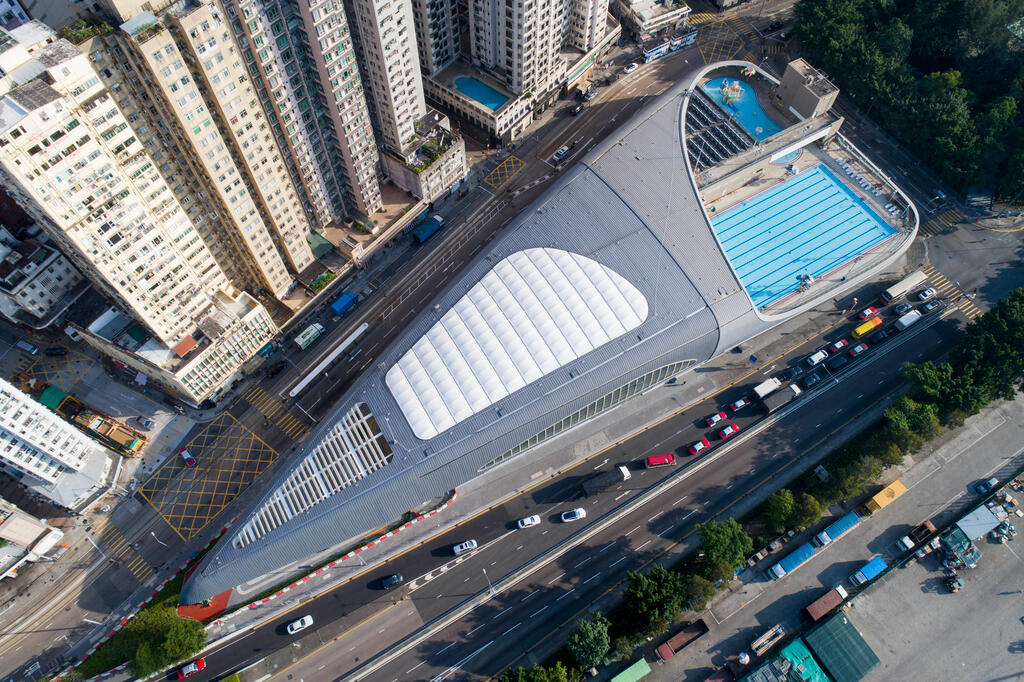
<point>651,603</point>
<point>945,76</point>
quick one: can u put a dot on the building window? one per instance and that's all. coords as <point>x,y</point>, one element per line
<point>602,404</point>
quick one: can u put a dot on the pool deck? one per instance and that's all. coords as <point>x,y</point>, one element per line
<point>461,69</point>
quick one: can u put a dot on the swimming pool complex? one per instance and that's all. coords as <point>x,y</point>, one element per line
<point>810,224</point>
<point>481,92</point>
<point>737,97</point>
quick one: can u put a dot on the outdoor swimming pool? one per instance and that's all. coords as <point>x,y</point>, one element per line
<point>738,98</point>
<point>809,225</point>
<point>481,92</point>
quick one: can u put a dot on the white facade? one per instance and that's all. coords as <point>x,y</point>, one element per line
<point>73,161</point>
<point>33,277</point>
<point>437,33</point>
<point>520,41</point>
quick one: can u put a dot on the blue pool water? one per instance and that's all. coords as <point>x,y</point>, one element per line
<point>745,108</point>
<point>481,92</point>
<point>809,225</point>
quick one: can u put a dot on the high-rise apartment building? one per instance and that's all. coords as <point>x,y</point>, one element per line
<point>73,158</point>
<point>301,59</point>
<point>437,33</point>
<point>384,38</point>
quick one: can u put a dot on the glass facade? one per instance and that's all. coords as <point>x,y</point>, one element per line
<point>602,404</point>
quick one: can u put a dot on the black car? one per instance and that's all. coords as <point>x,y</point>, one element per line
<point>391,581</point>
<point>792,373</point>
<point>810,380</point>
<point>837,362</point>
<point>56,350</point>
<point>775,25</point>
<point>879,336</point>
<point>577,109</point>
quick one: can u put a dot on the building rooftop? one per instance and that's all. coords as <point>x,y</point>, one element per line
<point>33,95</point>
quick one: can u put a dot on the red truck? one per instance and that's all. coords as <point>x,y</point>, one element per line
<point>826,603</point>
<point>690,634</point>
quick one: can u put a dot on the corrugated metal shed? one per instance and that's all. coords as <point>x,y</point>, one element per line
<point>840,649</point>
<point>981,521</point>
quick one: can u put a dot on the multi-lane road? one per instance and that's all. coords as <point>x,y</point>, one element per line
<point>480,643</point>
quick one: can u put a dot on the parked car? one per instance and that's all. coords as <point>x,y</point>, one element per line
<point>392,581</point>
<point>190,461</point>
<point>300,624</point>
<point>529,521</point>
<point>192,668</point>
<point>577,109</point>
<point>729,430</point>
<point>276,369</point>
<point>837,362</point>
<point>838,346</point>
<point>56,350</point>
<point>574,515</point>
<point>775,25</point>
<point>985,487</point>
<point>867,312</point>
<point>930,306</point>
<point>879,336</point>
<point>715,418</point>
<point>699,445</point>
<point>464,547</point>
<point>858,349</point>
<point>902,308</point>
<point>741,403</point>
<point>560,154</point>
<point>631,68</point>
<point>926,294</point>
<point>792,372</point>
<point>810,380</point>
<point>144,423</point>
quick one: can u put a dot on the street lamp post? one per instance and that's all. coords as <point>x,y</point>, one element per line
<point>490,587</point>
<point>157,539</point>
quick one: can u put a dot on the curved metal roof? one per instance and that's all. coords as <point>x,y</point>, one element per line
<point>535,311</point>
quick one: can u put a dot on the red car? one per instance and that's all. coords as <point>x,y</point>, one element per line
<point>740,404</point>
<point>715,418</point>
<point>867,312</point>
<point>729,430</point>
<point>192,668</point>
<point>858,349</point>
<point>838,346</point>
<point>190,461</point>
<point>699,445</point>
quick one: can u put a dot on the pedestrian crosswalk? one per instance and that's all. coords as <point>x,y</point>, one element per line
<point>952,291</point>
<point>273,410</point>
<point>940,223</point>
<point>773,49</point>
<point>119,550</point>
<point>171,434</point>
<point>742,28</point>
<point>700,18</point>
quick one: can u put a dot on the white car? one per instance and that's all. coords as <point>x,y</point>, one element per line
<point>560,154</point>
<point>300,624</point>
<point>464,547</point>
<point>926,294</point>
<point>574,515</point>
<point>529,521</point>
<point>631,68</point>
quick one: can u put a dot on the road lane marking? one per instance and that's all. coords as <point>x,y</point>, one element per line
<point>498,614</point>
<point>542,609</point>
<point>679,500</point>
<point>666,530</point>
<point>632,531</point>
<point>642,546</point>
<point>606,546</point>
<point>555,578</point>
<point>692,512</point>
<point>511,629</point>
<point>529,595</point>
<point>591,577</point>
<point>622,495</point>
<point>414,667</point>
<point>619,561</point>
<point>583,562</point>
<point>445,649</point>
<point>478,627</point>
<point>571,590</point>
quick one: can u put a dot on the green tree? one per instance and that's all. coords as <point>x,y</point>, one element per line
<point>590,642</point>
<point>697,592</point>
<point>807,511</point>
<point>538,673</point>
<point>725,541</point>
<point>623,647</point>
<point>778,508</point>
<point>715,571</point>
<point>652,596</point>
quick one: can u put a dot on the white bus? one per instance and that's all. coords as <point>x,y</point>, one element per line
<point>309,335</point>
<point>904,286</point>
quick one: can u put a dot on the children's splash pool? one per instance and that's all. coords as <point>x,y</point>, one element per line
<point>737,97</point>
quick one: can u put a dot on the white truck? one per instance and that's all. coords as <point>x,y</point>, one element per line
<point>767,386</point>
<point>907,320</point>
